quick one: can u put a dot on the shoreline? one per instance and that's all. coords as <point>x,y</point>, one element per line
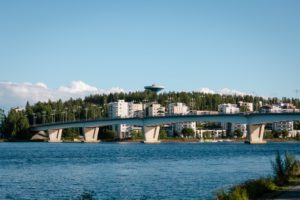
<point>163,141</point>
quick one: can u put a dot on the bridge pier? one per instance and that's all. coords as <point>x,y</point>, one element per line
<point>256,134</point>
<point>54,135</point>
<point>151,134</point>
<point>91,135</point>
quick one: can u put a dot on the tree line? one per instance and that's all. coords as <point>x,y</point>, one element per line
<point>17,123</point>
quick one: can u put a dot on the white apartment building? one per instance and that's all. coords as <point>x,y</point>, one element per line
<point>281,126</point>
<point>178,109</point>
<point>246,105</point>
<point>228,108</point>
<point>281,108</point>
<point>135,109</point>
<point>181,109</point>
<point>232,127</point>
<point>154,110</point>
<point>119,109</point>
<point>122,109</point>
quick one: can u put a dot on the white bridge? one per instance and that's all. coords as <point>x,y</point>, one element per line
<point>151,125</point>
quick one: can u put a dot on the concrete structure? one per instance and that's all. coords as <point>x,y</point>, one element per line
<point>255,122</point>
<point>151,134</point>
<point>91,135</point>
<point>155,88</point>
<point>54,135</point>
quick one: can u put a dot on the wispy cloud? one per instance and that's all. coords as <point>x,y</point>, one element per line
<point>14,94</point>
<point>224,91</point>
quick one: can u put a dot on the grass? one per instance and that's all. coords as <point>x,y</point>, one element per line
<point>286,168</point>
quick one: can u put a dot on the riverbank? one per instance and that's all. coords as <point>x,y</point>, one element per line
<point>290,191</point>
<point>168,140</point>
<point>284,184</point>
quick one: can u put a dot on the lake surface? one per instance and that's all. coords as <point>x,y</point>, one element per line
<point>130,171</point>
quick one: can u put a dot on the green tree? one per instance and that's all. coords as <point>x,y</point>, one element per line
<point>188,132</point>
<point>137,134</point>
<point>285,133</point>
<point>298,136</point>
<point>163,133</point>
<point>16,125</point>
<point>107,134</point>
<point>238,133</point>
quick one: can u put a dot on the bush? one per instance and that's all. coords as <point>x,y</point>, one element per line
<point>107,135</point>
<point>285,168</point>
<point>248,190</point>
<point>236,193</point>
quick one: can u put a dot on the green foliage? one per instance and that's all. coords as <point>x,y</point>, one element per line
<point>238,133</point>
<point>248,190</point>
<point>16,125</point>
<point>298,137</point>
<point>137,134</point>
<point>237,193</point>
<point>163,133</point>
<point>71,134</point>
<point>188,132</point>
<point>207,135</point>
<point>284,168</point>
<point>107,134</point>
<point>268,135</point>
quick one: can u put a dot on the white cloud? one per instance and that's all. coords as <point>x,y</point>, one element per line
<point>224,91</point>
<point>206,91</point>
<point>78,87</point>
<point>14,94</point>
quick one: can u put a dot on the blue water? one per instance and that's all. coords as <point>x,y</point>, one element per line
<point>130,171</point>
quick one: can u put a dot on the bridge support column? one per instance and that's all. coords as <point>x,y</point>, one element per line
<point>151,134</point>
<point>55,135</point>
<point>91,135</point>
<point>256,134</point>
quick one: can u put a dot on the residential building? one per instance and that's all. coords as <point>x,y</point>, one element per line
<point>119,109</point>
<point>135,109</point>
<point>232,127</point>
<point>154,110</point>
<point>180,109</point>
<point>282,126</point>
<point>245,106</point>
<point>228,108</point>
<point>280,108</point>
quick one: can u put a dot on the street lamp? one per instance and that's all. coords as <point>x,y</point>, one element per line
<point>66,112</point>
<point>53,115</point>
<point>93,109</point>
<point>79,111</point>
<point>86,113</point>
<point>74,113</point>
<point>34,118</point>
<point>63,116</point>
<point>44,117</point>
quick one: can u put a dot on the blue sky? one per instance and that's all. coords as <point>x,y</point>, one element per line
<point>250,46</point>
